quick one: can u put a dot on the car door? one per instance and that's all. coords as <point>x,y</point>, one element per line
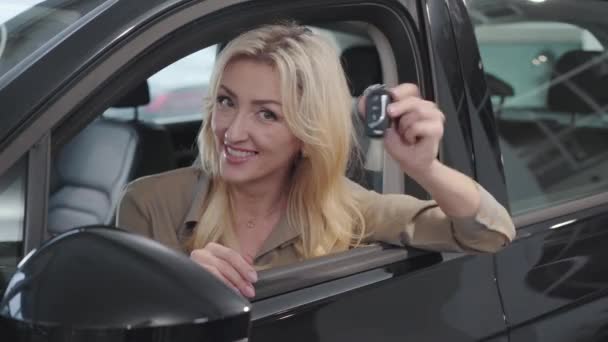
<point>451,298</point>
<point>552,132</point>
<point>361,295</point>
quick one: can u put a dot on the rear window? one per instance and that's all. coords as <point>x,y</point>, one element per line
<point>28,28</point>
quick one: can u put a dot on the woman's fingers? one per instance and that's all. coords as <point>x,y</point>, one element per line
<point>219,275</point>
<point>412,105</point>
<point>421,130</point>
<point>248,258</point>
<point>405,90</point>
<point>398,93</point>
<point>244,286</point>
<point>235,259</point>
<point>420,111</point>
<point>203,258</point>
<point>220,261</point>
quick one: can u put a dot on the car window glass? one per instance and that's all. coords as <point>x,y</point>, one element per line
<point>551,109</point>
<point>12,218</point>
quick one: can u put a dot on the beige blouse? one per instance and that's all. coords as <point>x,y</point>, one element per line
<point>166,207</point>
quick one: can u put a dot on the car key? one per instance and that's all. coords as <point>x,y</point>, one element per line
<point>377,119</point>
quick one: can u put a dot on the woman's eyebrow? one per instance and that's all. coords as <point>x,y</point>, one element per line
<point>226,89</point>
<point>256,102</point>
<point>263,102</point>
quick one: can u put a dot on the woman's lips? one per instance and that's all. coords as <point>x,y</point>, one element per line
<point>237,156</point>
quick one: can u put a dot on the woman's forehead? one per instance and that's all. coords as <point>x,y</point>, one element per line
<point>256,79</point>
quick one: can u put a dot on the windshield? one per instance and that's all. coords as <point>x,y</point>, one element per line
<point>28,28</point>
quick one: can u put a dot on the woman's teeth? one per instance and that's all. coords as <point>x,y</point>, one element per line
<point>239,154</point>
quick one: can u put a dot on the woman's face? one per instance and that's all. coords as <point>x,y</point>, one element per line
<point>251,135</point>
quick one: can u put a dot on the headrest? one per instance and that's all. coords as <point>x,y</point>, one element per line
<point>138,96</point>
<point>577,93</point>
<point>499,87</point>
<point>362,67</point>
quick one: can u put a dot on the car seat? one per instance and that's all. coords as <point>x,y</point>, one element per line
<point>90,172</point>
<point>362,68</point>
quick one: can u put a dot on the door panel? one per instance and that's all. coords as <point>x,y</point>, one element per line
<point>554,282</point>
<point>452,301</point>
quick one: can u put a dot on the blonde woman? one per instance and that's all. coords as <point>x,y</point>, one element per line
<point>274,148</point>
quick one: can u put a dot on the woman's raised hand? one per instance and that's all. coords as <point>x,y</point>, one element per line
<point>414,140</point>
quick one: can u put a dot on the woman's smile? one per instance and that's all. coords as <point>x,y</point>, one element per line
<point>235,155</point>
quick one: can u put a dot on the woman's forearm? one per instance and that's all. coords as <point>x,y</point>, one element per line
<point>456,194</point>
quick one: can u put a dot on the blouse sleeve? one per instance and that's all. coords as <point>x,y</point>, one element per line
<point>405,220</point>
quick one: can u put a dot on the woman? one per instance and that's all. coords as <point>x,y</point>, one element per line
<point>274,149</point>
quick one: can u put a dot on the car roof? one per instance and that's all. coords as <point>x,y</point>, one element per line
<point>105,24</point>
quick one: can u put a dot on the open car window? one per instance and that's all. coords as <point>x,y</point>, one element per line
<point>153,128</point>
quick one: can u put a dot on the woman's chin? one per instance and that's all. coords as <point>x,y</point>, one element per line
<point>235,174</point>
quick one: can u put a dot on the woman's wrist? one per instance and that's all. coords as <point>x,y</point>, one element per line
<point>428,176</point>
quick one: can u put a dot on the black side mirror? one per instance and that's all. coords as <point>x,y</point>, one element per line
<point>104,284</point>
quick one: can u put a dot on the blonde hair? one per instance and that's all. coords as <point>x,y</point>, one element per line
<point>317,109</point>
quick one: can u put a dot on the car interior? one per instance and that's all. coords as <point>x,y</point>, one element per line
<point>90,172</point>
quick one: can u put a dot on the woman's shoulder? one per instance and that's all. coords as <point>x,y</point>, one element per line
<point>358,190</point>
<point>166,180</point>
<point>164,186</point>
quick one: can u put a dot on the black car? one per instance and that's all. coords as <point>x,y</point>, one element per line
<point>523,86</point>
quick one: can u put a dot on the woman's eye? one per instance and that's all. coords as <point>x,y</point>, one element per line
<point>224,101</point>
<point>268,115</point>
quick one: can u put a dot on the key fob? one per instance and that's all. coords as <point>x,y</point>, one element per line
<point>376,116</point>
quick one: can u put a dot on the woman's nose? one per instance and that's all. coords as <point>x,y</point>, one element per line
<point>238,129</point>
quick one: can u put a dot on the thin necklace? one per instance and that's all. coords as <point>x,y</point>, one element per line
<point>251,223</point>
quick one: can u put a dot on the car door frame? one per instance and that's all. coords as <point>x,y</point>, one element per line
<point>35,199</point>
<point>64,115</point>
<point>531,311</point>
<point>68,111</point>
